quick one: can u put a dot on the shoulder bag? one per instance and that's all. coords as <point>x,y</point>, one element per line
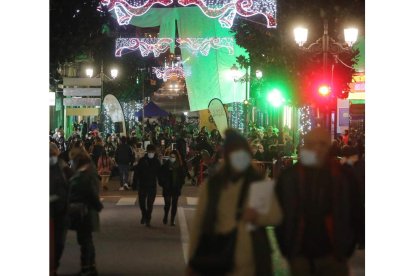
<point>215,252</point>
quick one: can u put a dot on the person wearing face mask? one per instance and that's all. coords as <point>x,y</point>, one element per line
<point>222,212</point>
<point>147,173</point>
<point>321,208</point>
<point>59,174</point>
<point>172,176</point>
<point>60,141</point>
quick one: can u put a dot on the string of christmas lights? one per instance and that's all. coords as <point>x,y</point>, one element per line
<point>126,9</point>
<point>203,45</point>
<point>226,10</point>
<point>145,45</point>
<point>237,116</point>
<point>108,125</point>
<point>305,122</point>
<point>130,108</point>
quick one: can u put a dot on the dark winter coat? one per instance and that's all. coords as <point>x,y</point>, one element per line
<point>329,213</point>
<point>147,172</point>
<point>85,189</point>
<point>124,155</point>
<point>59,189</point>
<point>182,147</point>
<point>172,177</point>
<point>96,153</point>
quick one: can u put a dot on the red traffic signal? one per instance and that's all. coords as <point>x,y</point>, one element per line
<point>324,90</point>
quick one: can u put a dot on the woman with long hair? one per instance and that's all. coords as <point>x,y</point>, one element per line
<point>172,177</point>
<point>104,169</point>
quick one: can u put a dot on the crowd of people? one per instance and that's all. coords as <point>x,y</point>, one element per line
<point>313,199</point>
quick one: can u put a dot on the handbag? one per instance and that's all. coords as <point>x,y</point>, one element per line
<point>77,214</point>
<point>215,252</point>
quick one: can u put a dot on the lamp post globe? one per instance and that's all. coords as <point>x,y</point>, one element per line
<point>301,35</point>
<point>259,74</point>
<point>350,35</point>
<point>89,72</point>
<point>114,73</point>
<point>234,71</point>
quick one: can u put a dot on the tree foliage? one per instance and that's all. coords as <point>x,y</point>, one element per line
<point>275,52</point>
<point>78,29</point>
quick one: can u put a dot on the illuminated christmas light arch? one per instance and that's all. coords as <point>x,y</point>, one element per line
<point>126,9</point>
<point>146,46</point>
<point>226,10</point>
<point>203,45</point>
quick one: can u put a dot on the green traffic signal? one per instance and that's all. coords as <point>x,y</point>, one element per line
<point>275,98</point>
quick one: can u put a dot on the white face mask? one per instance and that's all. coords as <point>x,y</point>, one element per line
<point>350,162</point>
<point>308,157</point>
<point>172,159</point>
<point>240,160</point>
<point>53,160</point>
<point>151,155</point>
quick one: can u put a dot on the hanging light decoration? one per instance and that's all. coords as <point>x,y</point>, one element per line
<point>203,45</point>
<point>226,10</point>
<point>166,73</point>
<point>126,9</point>
<point>146,46</point>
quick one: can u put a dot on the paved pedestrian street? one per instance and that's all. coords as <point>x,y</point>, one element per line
<point>124,247</point>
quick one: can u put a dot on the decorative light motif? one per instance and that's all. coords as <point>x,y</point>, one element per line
<point>237,116</point>
<point>166,73</point>
<point>108,125</point>
<point>126,9</point>
<point>226,10</point>
<point>129,109</point>
<point>203,45</point>
<point>305,124</point>
<point>145,45</point>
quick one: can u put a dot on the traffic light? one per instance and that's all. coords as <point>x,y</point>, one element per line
<point>324,90</point>
<point>275,98</point>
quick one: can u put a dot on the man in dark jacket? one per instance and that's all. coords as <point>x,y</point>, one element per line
<point>59,197</point>
<point>124,157</point>
<point>321,211</point>
<point>147,172</point>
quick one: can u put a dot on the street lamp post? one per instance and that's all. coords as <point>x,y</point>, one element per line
<point>326,46</point>
<point>114,75</point>
<point>246,78</point>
